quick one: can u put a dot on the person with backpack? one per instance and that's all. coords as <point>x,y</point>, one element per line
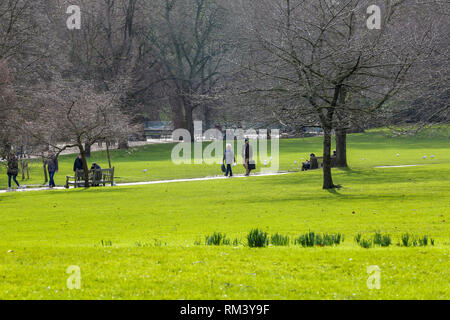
<point>229,159</point>
<point>13,170</point>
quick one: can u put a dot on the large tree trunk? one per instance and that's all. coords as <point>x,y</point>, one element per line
<point>177,114</point>
<point>44,163</point>
<point>87,150</point>
<point>108,154</point>
<point>189,121</point>
<point>341,131</point>
<point>327,178</point>
<point>123,144</point>
<point>341,148</point>
<point>85,166</point>
<point>6,150</point>
<point>208,121</point>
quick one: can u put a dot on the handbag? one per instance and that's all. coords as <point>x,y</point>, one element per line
<point>251,165</point>
<point>223,168</point>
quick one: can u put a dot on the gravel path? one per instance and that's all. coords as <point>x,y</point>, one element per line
<point>402,166</point>
<point>158,181</point>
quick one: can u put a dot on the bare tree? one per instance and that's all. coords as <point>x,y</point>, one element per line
<point>73,114</point>
<point>316,53</point>
<point>188,41</point>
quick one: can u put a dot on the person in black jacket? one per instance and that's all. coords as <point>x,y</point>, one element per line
<point>78,164</point>
<point>13,169</point>
<point>95,166</point>
<point>247,155</point>
<point>52,167</point>
<point>97,173</point>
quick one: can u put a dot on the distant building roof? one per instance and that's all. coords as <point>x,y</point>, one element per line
<point>158,125</point>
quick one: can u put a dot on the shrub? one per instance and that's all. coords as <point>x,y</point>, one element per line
<point>423,241</point>
<point>365,243</point>
<point>279,240</point>
<point>106,243</point>
<point>217,239</point>
<point>156,243</point>
<point>306,240</point>
<point>414,241</point>
<point>311,239</point>
<point>141,244</point>
<point>332,239</point>
<point>383,240</point>
<point>406,240</point>
<point>257,239</point>
<point>236,242</point>
<point>378,239</point>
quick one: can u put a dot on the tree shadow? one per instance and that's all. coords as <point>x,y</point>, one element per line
<point>335,191</point>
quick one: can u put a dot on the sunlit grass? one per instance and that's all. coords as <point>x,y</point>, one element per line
<point>151,231</point>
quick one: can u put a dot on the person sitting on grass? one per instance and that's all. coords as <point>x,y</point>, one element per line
<point>229,159</point>
<point>13,170</point>
<point>306,165</point>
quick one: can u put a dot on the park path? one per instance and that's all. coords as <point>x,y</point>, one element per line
<point>402,166</point>
<point>159,181</point>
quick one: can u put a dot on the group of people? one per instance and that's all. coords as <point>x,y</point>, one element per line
<point>13,170</point>
<point>78,164</point>
<point>229,158</point>
<point>51,162</point>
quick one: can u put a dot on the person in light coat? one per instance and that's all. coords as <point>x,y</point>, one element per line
<point>229,159</point>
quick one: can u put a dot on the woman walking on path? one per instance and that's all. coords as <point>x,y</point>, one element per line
<point>52,167</point>
<point>229,159</point>
<point>13,170</point>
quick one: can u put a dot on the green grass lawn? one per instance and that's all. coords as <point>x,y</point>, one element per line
<point>150,233</point>
<point>374,148</point>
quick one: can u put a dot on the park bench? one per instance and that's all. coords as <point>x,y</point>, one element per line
<point>97,177</point>
<point>317,162</point>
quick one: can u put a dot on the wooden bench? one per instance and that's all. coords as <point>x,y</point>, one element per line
<point>317,162</point>
<point>97,177</point>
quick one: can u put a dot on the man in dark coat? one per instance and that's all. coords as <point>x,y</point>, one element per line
<point>78,164</point>
<point>247,155</point>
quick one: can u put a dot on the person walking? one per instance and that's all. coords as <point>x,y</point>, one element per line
<point>247,155</point>
<point>13,170</point>
<point>52,167</point>
<point>229,159</point>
